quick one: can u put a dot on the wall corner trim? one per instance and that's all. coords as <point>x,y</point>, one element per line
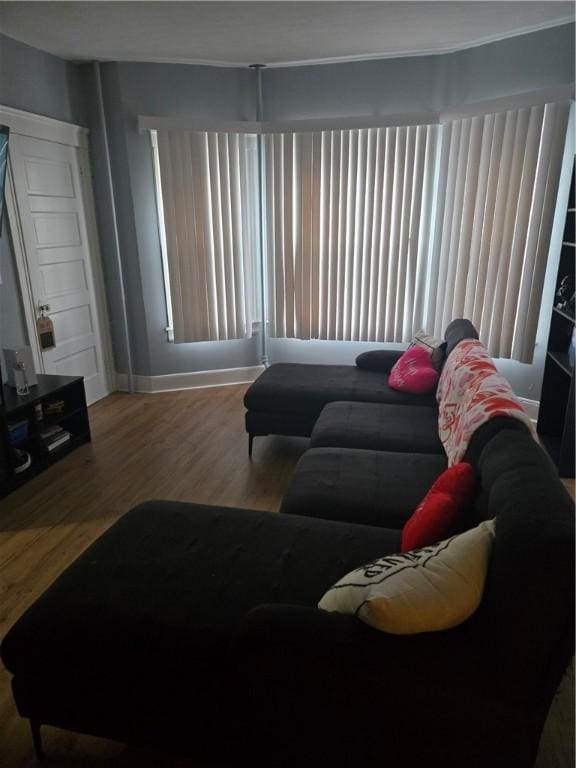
<point>172,382</point>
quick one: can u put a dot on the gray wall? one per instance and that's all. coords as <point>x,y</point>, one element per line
<point>538,60</point>
<point>41,83</point>
<point>421,83</point>
<point>386,86</point>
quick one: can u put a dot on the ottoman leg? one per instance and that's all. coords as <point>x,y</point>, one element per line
<point>250,441</point>
<point>37,740</point>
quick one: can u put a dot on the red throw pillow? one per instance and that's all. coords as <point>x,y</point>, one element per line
<point>435,517</point>
<point>414,372</point>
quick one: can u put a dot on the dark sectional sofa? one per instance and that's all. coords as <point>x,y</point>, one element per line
<point>195,628</point>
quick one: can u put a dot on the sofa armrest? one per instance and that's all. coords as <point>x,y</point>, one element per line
<point>301,630</point>
<point>307,632</point>
<point>379,360</point>
<point>292,638</point>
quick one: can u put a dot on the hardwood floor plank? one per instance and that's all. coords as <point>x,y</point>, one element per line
<point>186,446</point>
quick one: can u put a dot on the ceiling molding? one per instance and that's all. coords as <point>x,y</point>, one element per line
<point>437,51</point>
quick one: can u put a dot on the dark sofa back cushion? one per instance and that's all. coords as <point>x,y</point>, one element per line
<point>457,331</point>
<point>379,360</point>
<point>480,508</point>
<point>527,613</point>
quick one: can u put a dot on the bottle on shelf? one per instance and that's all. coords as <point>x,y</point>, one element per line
<point>20,379</point>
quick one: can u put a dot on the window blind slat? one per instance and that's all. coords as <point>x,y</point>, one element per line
<point>384,243</point>
<point>374,223</point>
<point>217,270</point>
<point>334,228</point>
<point>519,258</point>
<point>316,235</point>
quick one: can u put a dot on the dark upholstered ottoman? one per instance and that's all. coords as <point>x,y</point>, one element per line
<point>134,641</point>
<point>376,427</point>
<point>288,397</point>
<point>369,487</point>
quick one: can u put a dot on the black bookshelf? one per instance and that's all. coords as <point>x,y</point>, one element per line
<point>556,414</point>
<point>55,402</point>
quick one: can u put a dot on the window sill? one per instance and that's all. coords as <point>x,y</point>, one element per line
<point>170,331</point>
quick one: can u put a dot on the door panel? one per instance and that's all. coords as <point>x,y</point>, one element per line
<point>56,229</point>
<point>48,178</point>
<point>48,190</point>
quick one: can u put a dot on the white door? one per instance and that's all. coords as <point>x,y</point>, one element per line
<point>51,207</point>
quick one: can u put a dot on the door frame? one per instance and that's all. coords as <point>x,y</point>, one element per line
<point>49,129</point>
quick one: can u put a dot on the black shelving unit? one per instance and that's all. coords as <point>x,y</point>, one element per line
<point>35,411</point>
<point>556,414</point>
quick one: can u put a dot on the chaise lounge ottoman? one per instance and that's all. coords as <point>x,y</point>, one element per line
<point>135,640</point>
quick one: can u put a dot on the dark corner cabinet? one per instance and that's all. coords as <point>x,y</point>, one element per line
<point>46,424</point>
<point>556,414</point>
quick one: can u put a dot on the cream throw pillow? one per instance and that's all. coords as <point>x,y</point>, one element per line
<point>433,345</point>
<point>426,340</point>
<point>425,590</point>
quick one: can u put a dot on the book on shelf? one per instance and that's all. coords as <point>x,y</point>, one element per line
<point>58,441</point>
<point>49,432</point>
<point>54,436</point>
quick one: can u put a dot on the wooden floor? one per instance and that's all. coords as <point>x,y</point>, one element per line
<point>182,445</point>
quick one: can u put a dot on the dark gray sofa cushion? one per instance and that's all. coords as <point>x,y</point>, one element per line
<point>302,388</point>
<point>376,427</point>
<point>280,423</point>
<point>368,487</point>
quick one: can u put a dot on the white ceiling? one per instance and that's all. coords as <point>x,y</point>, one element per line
<point>274,33</point>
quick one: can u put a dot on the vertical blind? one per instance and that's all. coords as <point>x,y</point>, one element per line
<point>209,211</point>
<point>348,228</point>
<point>497,191</point>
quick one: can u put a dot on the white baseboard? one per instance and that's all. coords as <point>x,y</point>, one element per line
<point>531,407</point>
<point>194,380</point>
